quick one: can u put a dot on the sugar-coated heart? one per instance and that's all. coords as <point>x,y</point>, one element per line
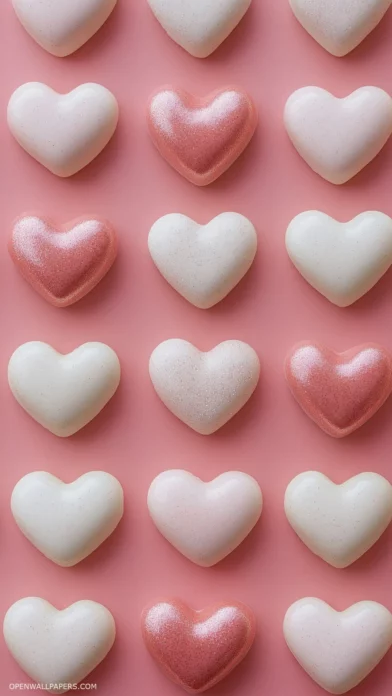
<point>339,391</point>
<point>62,263</point>
<point>63,392</point>
<point>339,25</point>
<point>338,137</point>
<point>204,390</point>
<point>204,521</point>
<point>58,648</point>
<point>342,260</point>
<point>199,26</point>
<point>339,523</point>
<point>196,649</point>
<point>203,262</point>
<point>63,26</point>
<point>67,521</point>
<point>201,138</point>
<point>64,132</point>
<point>337,649</point>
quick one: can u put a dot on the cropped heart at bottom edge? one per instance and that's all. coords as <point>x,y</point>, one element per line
<point>196,649</point>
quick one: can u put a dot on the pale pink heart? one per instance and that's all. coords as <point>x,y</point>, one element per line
<point>338,137</point>
<point>338,649</point>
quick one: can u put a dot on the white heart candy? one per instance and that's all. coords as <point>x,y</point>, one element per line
<point>339,523</point>
<point>67,521</point>
<point>63,392</point>
<point>343,261</point>
<point>64,132</point>
<point>63,26</point>
<point>58,648</point>
<point>338,137</point>
<point>339,25</point>
<point>199,26</point>
<point>203,262</point>
<point>337,649</point>
<point>204,390</point>
<point>204,521</point>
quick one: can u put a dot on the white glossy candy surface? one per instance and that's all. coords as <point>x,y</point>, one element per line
<point>339,523</point>
<point>64,132</point>
<point>203,262</point>
<point>199,26</point>
<point>67,521</point>
<point>339,25</point>
<point>54,647</point>
<point>338,137</point>
<point>205,521</point>
<point>204,389</point>
<point>62,26</point>
<point>342,260</point>
<point>337,649</point>
<point>63,392</point>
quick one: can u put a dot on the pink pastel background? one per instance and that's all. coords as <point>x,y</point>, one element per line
<point>133,310</point>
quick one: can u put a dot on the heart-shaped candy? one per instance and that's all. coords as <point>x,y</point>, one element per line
<point>199,26</point>
<point>203,262</point>
<point>58,648</point>
<point>339,391</point>
<point>63,392</point>
<point>62,264</point>
<point>63,26</point>
<point>204,390</point>
<point>339,523</point>
<point>338,137</point>
<point>343,261</point>
<point>337,649</point>
<point>196,649</point>
<point>64,132</point>
<point>67,521</point>
<point>204,521</point>
<point>339,25</point>
<point>201,138</point>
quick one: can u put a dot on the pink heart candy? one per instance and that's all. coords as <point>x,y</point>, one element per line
<point>339,391</point>
<point>62,264</point>
<point>196,649</point>
<point>201,138</point>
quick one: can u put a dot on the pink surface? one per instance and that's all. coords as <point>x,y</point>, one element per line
<point>133,309</point>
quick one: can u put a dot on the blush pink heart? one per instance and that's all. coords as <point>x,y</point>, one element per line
<point>62,263</point>
<point>201,138</point>
<point>196,649</point>
<point>339,391</point>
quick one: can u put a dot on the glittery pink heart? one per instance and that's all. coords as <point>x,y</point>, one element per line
<point>201,138</point>
<point>196,649</point>
<point>339,391</point>
<point>62,264</point>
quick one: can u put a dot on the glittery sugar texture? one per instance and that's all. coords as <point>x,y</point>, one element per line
<point>204,390</point>
<point>196,649</point>
<point>201,138</point>
<point>62,264</point>
<point>339,391</point>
